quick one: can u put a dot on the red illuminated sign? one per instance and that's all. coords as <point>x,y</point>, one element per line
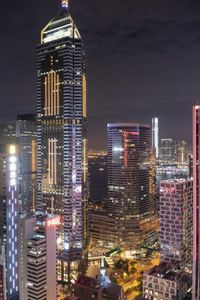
<point>132,132</point>
<point>126,134</point>
<point>54,222</point>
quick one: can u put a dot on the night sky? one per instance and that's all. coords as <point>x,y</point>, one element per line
<point>143,60</point>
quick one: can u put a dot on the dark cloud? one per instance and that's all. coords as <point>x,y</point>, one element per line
<point>143,60</point>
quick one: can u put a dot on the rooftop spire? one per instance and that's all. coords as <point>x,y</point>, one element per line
<point>102,262</point>
<point>65,3</point>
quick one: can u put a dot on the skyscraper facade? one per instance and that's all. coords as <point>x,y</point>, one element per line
<point>155,135</point>
<point>9,208</point>
<point>196,203</point>
<point>167,154</point>
<point>176,201</point>
<point>26,138</point>
<point>172,278</point>
<point>8,133</point>
<point>182,152</point>
<point>130,202</point>
<point>23,132</point>
<point>61,130</point>
<point>38,256</point>
<point>2,273</point>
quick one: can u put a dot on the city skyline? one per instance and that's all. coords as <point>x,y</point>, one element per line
<point>123,222</point>
<point>141,44</point>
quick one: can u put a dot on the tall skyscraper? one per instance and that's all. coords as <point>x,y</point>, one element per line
<point>9,209</point>
<point>196,203</point>
<point>131,205</point>
<point>155,135</point>
<point>61,129</point>
<point>23,132</point>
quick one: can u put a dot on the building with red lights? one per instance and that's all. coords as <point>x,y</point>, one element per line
<point>131,199</point>
<point>196,203</point>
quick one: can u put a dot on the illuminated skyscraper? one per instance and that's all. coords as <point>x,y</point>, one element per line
<point>23,132</point>
<point>176,200</point>
<point>2,273</point>
<point>182,152</point>
<point>26,138</point>
<point>155,135</point>
<point>61,128</point>
<point>130,203</point>
<point>196,203</point>
<point>167,154</point>
<point>37,256</point>
<point>9,209</point>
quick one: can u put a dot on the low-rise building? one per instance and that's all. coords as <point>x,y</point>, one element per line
<point>100,288</point>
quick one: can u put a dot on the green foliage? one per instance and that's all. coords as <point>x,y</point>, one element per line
<point>133,270</point>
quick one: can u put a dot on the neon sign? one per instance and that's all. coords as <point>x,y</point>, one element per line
<point>54,221</point>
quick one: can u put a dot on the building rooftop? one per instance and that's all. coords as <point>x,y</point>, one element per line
<point>167,272</point>
<point>89,282</point>
<point>128,125</point>
<point>175,181</point>
<point>114,290</point>
<point>60,27</point>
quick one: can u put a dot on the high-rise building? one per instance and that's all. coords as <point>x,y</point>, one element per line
<point>176,200</point>
<point>172,278</point>
<point>26,138</point>
<point>130,203</point>
<point>167,151</point>
<point>61,131</point>
<point>2,273</point>
<point>38,256</point>
<point>182,152</point>
<point>8,133</point>
<point>27,227</point>
<point>9,209</point>
<point>155,135</point>
<point>196,203</point>
<point>152,178</point>
<point>190,166</point>
<point>23,132</point>
<point>98,186</point>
